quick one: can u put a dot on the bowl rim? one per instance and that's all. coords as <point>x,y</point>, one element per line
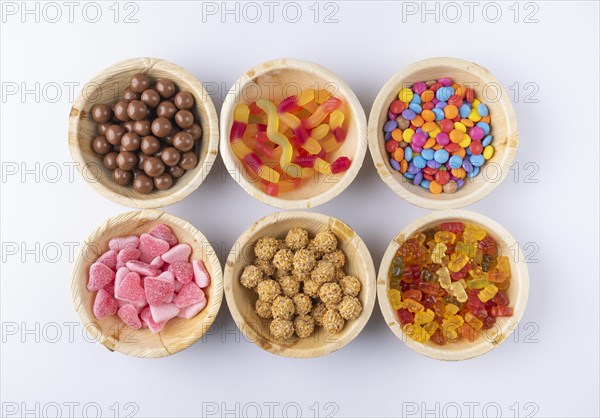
<point>234,167</point>
<point>376,142</point>
<point>77,275</point>
<point>210,128</point>
<point>519,273</point>
<point>339,227</point>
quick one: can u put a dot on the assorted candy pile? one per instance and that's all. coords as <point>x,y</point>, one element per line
<point>438,134</point>
<point>282,145</point>
<point>448,283</point>
<point>301,283</point>
<point>148,280</point>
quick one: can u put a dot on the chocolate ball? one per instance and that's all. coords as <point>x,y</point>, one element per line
<point>175,171</point>
<point>137,110</point>
<point>151,98</point>
<point>129,125</point>
<point>189,160</point>
<point>130,141</point>
<point>142,127</point>
<point>143,184</point>
<point>184,100</point>
<point>184,119</point>
<point>195,130</point>
<point>150,145</point>
<point>122,177</point>
<point>153,166</point>
<point>183,141</point>
<point>141,159</point>
<point>110,160</point>
<point>126,160</point>
<point>114,133</point>
<point>101,113</point>
<point>165,87</point>
<point>101,146</point>
<point>161,127</point>
<point>102,127</point>
<point>140,82</point>
<point>170,156</point>
<point>163,182</point>
<point>166,109</point>
<point>120,110</point>
<point>130,95</point>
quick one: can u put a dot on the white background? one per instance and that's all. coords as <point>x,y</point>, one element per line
<point>549,202</point>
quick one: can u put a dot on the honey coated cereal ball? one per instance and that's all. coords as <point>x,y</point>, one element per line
<point>296,239</point>
<point>283,260</point>
<point>313,249</point>
<point>339,273</point>
<point>337,258</point>
<point>317,312</point>
<point>281,329</point>
<point>304,260</point>
<point>266,266</point>
<point>325,241</point>
<point>251,276</point>
<point>265,248</point>
<point>330,293</point>
<point>290,286</point>
<point>311,288</point>
<point>268,290</point>
<point>304,326</point>
<point>301,276</point>
<point>333,321</point>
<point>350,307</point>
<point>302,303</point>
<point>283,307</point>
<point>350,285</point>
<point>323,272</point>
<point>263,309</point>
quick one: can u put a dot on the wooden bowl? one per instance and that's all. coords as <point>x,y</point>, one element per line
<point>503,128</point>
<point>107,87</point>
<point>241,300</point>
<point>178,333</point>
<point>278,79</point>
<point>517,292</point>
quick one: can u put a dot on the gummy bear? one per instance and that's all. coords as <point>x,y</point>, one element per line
<point>413,305</point>
<point>458,291</point>
<point>395,298</point>
<point>457,262</point>
<point>445,236</point>
<point>444,277</point>
<point>466,248</point>
<point>438,252</point>
<point>487,293</point>
<point>473,233</point>
<point>424,317</point>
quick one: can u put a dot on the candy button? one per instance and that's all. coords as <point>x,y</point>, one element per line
<point>450,187</point>
<point>433,164</point>
<point>439,113</point>
<point>441,105</point>
<point>465,142</point>
<point>474,116</point>
<point>464,111</point>
<point>405,95</point>
<point>452,147</point>
<point>460,152</point>
<point>444,93</point>
<point>428,115</point>
<point>415,107</point>
<point>482,109</point>
<point>403,166</point>
<point>445,81</point>
<point>397,107</point>
<point>450,111</point>
<point>418,121</point>
<point>434,186</point>
<point>427,96</point>
<point>476,133</point>
<point>390,125</point>
<point>446,125</point>
<point>455,161</point>
<point>485,126</point>
<point>416,99</point>
<point>399,154</point>
<point>473,173</point>
<point>430,125</point>
<point>419,162</point>
<point>425,184</point>
<point>419,87</point>
<point>476,147</point>
<point>387,136</point>
<point>408,134</point>
<point>459,173</point>
<point>460,126</point>
<point>487,141</point>
<point>408,154</point>
<point>408,114</point>
<point>427,154</point>
<point>488,152</point>
<point>434,133</point>
<point>418,178</point>
<point>418,139</point>
<point>442,177</point>
<point>395,164</point>
<point>391,146</point>
<point>455,100</point>
<point>397,135</point>
<point>467,122</point>
<point>430,143</point>
<point>477,160</point>
<point>441,156</point>
<point>409,175</point>
<point>456,135</point>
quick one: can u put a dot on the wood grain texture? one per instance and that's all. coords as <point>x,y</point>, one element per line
<point>178,333</point>
<point>278,79</point>
<point>503,128</point>
<point>241,300</point>
<point>107,87</point>
<point>517,292</point>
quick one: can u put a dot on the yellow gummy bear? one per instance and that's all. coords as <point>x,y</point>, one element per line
<point>467,248</point>
<point>477,274</point>
<point>439,252</point>
<point>412,305</point>
<point>416,332</point>
<point>477,283</point>
<point>504,266</point>
<point>419,237</point>
<point>473,321</point>
<point>450,326</point>
<point>446,237</point>
<point>473,233</point>
<point>422,318</point>
<point>487,293</point>
<point>444,277</point>
<point>458,292</point>
<point>395,298</point>
<point>451,310</point>
<point>457,262</point>
<point>430,327</point>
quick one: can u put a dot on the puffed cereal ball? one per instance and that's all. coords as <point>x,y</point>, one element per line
<point>339,273</point>
<point>282,245</point>
<point>330,293</point>
<point>296,239</point>
<point>350,285</point>
<point>290,286</point>
<point>263,309</point>
<point>301,276</point>
<point>350,307</point>
<point>313,249</point>
<point>302,304</point>
<point>304,326</point>
<point>251,276</point>
<point>317,312</point>
<point>311,288</point>
<point>337,258</point>
<point>325,242</point>
<point>283,260</point>
<point>324,272</point>
<point>266,266</point>
<point>333,321</point>
<point>281,329</point>
<point>265,248</point>
<point>304,260</point>
<point>268,290</point>
<point>283,308</point>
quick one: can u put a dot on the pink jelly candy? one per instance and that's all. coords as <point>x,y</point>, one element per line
<point>105,304</point>
<point>163,312</point>
<point>110,288</point>
<point>129,314</point>
<point>142,268</point>
<point>189,294</point>
<point>158,262</point>
<point>121,272</point>
<point>340,165</point>
<point>130,289</point>
<point>118,243</point>
<point>191,311</point>
<point>128,254</point>
<point>180,252</point>
<point>201,276</point>
<point>178,286</point>
<point>151,247</point>
<point>100,276</point>
<point>138,305</point>
<point>163,232</point>
<point>157,290</point>
<point>183,271</point>
<point>146,317</point>
<point>109,259</point>
<point>168,276</point>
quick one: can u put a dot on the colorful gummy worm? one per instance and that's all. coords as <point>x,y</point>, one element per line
<point>284,144</point>
<point>438,134</point>
<point>448,283</point>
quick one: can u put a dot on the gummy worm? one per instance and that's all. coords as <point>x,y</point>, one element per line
<point>304,139</point>
<point>321,113</point>
<point>322,166</point>
<point>295,103</point>
<point>336,119</point>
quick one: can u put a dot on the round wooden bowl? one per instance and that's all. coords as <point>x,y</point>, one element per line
<point>241,300</point>
<point>178,333</point>
<point>517,292</point>
<point>275,80</point>
<point>107,87</point>
<point>503,128</point>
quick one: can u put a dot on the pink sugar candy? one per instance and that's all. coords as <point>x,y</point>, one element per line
<point>109,259</point>
<point>183,271</point>
<point>158,262</point>
<point>189,295</point>
<point>201,275</point>
<point>129,314</point>
<point>163,312</point>
<point>146,317</point>
<point>180,252</point>
<point>138,305</point>
<point>130,289</point>
<point>167,276</point>
<point>191,311</point>
<point>100,275</point>
<point>128,254</point>
<point>142,268</point>
<point>151,247</point>
<point>110,288</point>
<point>163,232</point>
<point>121,272</point>
<point>104,304</point>
<point>178,286</point>
<point>157,290</point>
<point>118,243</point>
